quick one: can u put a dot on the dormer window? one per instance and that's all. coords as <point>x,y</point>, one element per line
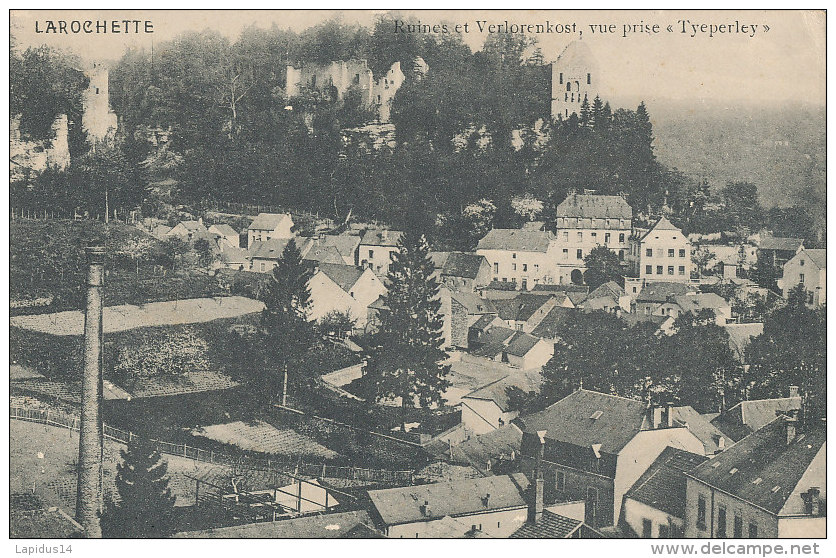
<point>596,415</point>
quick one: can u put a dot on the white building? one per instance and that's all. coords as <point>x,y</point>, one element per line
<point>269,226</point>
<point>98,120</point>
<point>585,221</point>
<point>525,258</point>
<point>376,249</point>
<point>809,268</point>
<point>575,77</point>
<point>662,253</point>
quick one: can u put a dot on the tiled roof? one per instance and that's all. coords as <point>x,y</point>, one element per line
<point>521,343</point>
<point>521,307</point>
<point>268,221</point>
<point>765,455</point>
<point>565,287</point>
<point>484,322</point>
<point>439,258</point>
<point>346,244</point>
<point>223,229</point>
<point>661,225</point>
<point>554,322</point>
<point>496,444</point>
<point>661,290</point>
<point>322,255</point>
<point>496,391</point>
<point>700,301</point>
<point>501,286</point>
<point>346,276</point>
<point>594,206</point>
<point>473,303</point>
<point>699,426</point>
<point>455,498</point>
<point>350,524</point>
<point>662,486</point>
<point>268,249</point>
<point>610,289</point>
<point>783,244</point>
<point>381,237</point>
<point>569,420</point>
<point>515,239</point>
<point>550,526</point>
<point>817,256</point>
<point>459,264</point>
<point>192,225</point>
<point>494,341</point>
<point>749,416</point>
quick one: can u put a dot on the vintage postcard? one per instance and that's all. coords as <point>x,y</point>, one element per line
<point>418,274</point>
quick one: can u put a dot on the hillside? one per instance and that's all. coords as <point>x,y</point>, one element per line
<point>780,149</point>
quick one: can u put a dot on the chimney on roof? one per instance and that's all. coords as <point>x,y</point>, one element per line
<point>667,414</point>
<point>384,235</point>
<point>486,500</point>
<point>655,416</point>
<point>425,509</point>
<point>812,501</point>
<point>200,221</point>
<point>790,427</point>
<point>535,506</point>
<point>793,391</point>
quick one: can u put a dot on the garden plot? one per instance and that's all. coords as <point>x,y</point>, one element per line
<point>263,437</point>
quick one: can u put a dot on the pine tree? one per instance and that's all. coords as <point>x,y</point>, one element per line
<point>146,506</point>
<point>406,359</point>
<point>598,113</point>
<point>287,299</point>
<point>586,115</point>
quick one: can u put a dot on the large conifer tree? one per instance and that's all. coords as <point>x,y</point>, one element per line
<point>287,333</point>
<point>407,355</point>
<point>146,506</point>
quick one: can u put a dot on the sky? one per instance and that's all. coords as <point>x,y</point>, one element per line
<point>784,64</point>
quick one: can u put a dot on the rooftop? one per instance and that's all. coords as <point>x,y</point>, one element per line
<point>459,264</point>
<point>570,420</point>
<point>740,335</point>
<point>500,443</point>
<point>748,416</point>
<point>608,289</point>
<point>456,498</point>
<point>351,524</point>
<point>764,469</point>
<point>515,239</point>
<point>268,249</point>
<point>497,391</point>
<point>784,244</point>
<point>521,307</point>
<point>662,486</point>
<point>554,322</point>
<point>550,526</point>
<point>817,256</point>
<point>594,206</point>
<point>223,229</point>
<point>269,221</point>
<point>346,276</point>
<point>381,237</point>
<point>660,291</point>
<point>700,301</point>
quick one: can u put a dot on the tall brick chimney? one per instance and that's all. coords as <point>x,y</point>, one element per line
<point>535,506</point>
<point>89,488</point>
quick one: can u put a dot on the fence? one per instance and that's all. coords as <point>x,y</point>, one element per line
<point>244,460</point>
<point>35,214</point>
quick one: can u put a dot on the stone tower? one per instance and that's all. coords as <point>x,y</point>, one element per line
<point>575,76</point>
<point>98,120</point>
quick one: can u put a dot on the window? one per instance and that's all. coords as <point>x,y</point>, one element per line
<point>810,297</point>
<point>659,270</point>
<point>536,268</point>
<point>738,527</point>
<point>262,266</point>
<point>580,235</point>
<point>371,254</point>
<point>524,286</point>
<point>664,532</point>
<point>565,253</point>
<point>594,235</point>
<point>561,78</point>
<point>670,270</point>
<point>753,530</point>
<point>513,267</point>
<point>670,252</point>
<point>682,270</point>
<point>525,267</point>
<point>682,252</point>
<point>496,267</point>
<point>721,523</point>
<point>606,238</point>
<point>560,481</point>
<point>649,252</point>
<point>648,269</point>
<point>801,262</point>
<point>621,237</point>
<point>97,91</point>
<point>647,528</point>
<point>701,512</point>
<point>565,236</point>
<point>580,254</point>
<point>588,79</point>
<point>800,277</point>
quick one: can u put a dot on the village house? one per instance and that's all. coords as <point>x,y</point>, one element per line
<point>494,505</point>
<point>461,271</point>
<point>585,221</point>
<point>752,415</point>
<point>653,295</point>
<point>346,245</point>
<point>224,234</point>
<point>343,288</point>
<point>695,303</point>
<point>376,249</point>
<point>662,253</point>
<point>189,231</point>
<point>525,311</point>
<point>515,348</point>
<point>264,255</point>
<point>776,250</point>
<point>555,321</point>
<point>808,267</point>
<point>489,407</point>
<point>597,446</point>
<point>654,507</point>
<point>490,453</point>
<point>770,484</point>
<point>519,257</point>
<point>609,297</point>
<point>459,311</point>
<point>269,226</point>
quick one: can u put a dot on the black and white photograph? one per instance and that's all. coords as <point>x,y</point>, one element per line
<point>418,274</point>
